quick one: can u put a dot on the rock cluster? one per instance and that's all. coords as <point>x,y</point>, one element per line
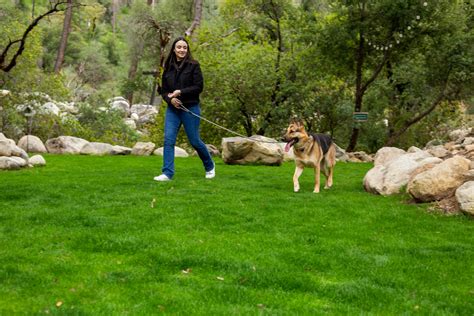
<point>438,173</point>
<point>134,115</point>
<point>13,157</point>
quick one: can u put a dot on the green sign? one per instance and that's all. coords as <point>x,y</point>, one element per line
<point>361,116</point>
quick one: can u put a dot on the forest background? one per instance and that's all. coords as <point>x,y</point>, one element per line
<point>408,63</point>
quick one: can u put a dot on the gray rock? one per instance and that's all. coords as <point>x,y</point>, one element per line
<point>239,150</point>
<point>65,145</point>
<point>143,149</point>
<point>178,152</point>
<point>37,160</point>
<point>32,144</point>
<point>465,197</point>
<point>96,149</point>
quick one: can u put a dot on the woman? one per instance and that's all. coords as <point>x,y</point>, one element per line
<point>182,83</point>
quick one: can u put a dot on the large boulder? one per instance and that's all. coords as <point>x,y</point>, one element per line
<point>97,149</point>
<point>65,145</point>
<point>11,141</point>
<point>441,181</point>
<point>143,149</point>
<point>10,163</point>
<point>178,152</point>
<point>391,177</point>
<point>5,148</point>
<point>385,154</point>
<point>121,150</point>
<point>465,197</point>
<point>9,149</point>
<point>32,144</point>
<point>257,150</point>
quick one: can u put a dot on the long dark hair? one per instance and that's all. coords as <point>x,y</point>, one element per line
<point>171,59</point>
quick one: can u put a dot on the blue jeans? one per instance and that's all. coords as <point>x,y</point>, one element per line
<point>173,120</point>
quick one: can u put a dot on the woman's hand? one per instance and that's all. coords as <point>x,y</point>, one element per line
<point>174,94</point>
<point>176,102</point>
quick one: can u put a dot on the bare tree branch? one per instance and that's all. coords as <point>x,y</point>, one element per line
<point>197,17</point>
<point>7,66</point>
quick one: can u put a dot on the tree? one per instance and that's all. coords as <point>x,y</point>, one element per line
<point>5,65</point>
<point>440,65</point>
<point>362,37</point>
<point>64,37</point>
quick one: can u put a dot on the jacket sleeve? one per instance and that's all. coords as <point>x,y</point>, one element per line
<point>198,82</point>
<point>165,89</point>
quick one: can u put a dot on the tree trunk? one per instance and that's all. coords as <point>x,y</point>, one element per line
<point>115,6</point>
<point>358,89</point>
<point>197,17</point>
<point>132,74</point>
<point>64,37</point>
<point>275,98</point>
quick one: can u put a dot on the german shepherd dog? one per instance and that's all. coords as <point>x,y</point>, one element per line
<point>311,150</point>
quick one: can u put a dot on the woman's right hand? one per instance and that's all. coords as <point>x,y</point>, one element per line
<point>176,102</point>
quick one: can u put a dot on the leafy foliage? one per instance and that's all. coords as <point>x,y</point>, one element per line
<point>264,62</point>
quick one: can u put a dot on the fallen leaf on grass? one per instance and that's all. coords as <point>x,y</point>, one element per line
<point>188,270</point>
<point>59,303</point>
<point>220,278</point>
<point>153,203</point>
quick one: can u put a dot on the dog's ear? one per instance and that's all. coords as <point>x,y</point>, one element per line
<point>299,122</point>
<point>296,121</point>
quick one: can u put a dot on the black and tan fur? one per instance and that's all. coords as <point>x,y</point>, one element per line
<point>311,150</point>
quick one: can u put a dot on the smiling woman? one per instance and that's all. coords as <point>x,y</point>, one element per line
<point>182,83</point>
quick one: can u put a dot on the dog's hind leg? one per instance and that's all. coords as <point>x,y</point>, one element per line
<point>327,171</point>
<point>329,163</point>
<point>296,184</point>
<point>329,177</point>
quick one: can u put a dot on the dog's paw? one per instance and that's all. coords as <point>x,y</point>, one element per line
<point>316,191</point>
<point>296,190</point>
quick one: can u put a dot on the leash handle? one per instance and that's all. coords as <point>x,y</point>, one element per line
<point>182,107</point>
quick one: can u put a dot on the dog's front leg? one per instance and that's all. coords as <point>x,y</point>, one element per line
<point>317,177</point>
<point>296,184</point>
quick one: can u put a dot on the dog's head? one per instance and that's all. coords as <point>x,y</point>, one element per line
<point>294,133</point>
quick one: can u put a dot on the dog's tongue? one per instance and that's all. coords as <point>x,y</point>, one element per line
<point>288,145</point>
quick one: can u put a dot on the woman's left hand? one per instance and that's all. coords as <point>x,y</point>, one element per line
<point>175,94</point>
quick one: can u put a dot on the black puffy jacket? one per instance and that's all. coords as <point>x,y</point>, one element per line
<point>187,78</point>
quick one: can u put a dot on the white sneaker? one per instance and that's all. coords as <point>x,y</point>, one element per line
<point>162,177</point>
<point>211,173</point>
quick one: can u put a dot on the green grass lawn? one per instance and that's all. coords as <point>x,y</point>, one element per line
<point>83,236</point>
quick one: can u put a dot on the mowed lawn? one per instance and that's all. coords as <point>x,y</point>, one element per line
<point>96,235</point>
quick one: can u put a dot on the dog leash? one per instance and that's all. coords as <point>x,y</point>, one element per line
<point>182,107</point>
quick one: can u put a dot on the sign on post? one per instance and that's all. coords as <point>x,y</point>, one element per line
<point>361,116</point>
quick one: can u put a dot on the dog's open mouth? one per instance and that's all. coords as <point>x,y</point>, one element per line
<point>290,143</point>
